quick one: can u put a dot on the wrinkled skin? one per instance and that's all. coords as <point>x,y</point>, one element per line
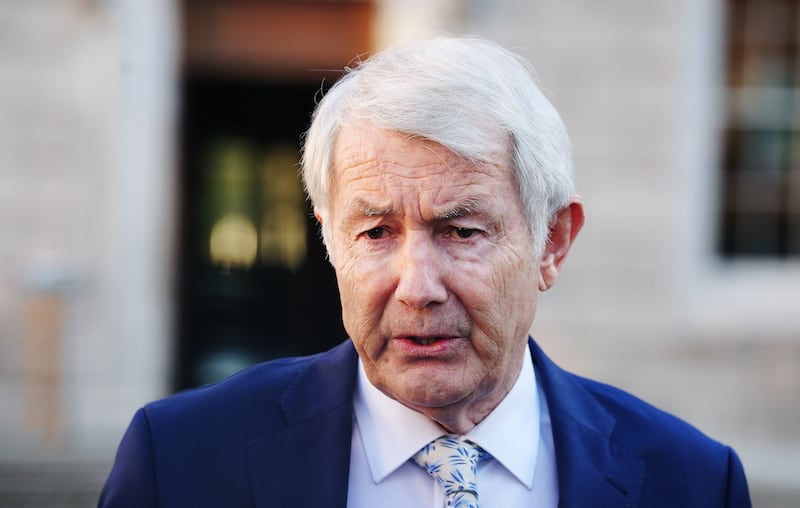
<point>436,275</point>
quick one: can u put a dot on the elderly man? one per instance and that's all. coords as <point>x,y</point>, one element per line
<point>440,176</point>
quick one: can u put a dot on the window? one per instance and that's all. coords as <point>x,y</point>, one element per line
<point>760,205</point>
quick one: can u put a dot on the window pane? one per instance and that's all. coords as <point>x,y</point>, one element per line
<point>761,152</point>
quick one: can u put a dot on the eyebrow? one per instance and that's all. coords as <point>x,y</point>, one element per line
<point>468,207</point>
<point>370,210</point>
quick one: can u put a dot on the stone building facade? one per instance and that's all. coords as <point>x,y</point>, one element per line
<point>88,115</point>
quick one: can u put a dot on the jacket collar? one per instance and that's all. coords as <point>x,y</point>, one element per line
<point>318,411</point>
<point>592,469</point>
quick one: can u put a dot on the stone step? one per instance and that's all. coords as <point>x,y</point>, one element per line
<point>51,485</point>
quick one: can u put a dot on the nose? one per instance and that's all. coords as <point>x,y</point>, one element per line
<point>420,271</point>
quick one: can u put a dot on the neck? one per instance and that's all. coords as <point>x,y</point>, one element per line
<point>460,418</point>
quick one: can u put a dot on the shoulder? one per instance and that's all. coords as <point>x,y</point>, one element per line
<point>643,426</point>
<point>602,413</point>
<point>194,448</point>
<point>678,458</point>
<point>258,383</point>
<point>249,401</point>
<point>601,408</point>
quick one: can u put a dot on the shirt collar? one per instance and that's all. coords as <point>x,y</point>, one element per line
<point>393,433</point>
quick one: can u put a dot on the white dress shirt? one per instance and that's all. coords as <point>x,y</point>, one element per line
<point>517,434</point>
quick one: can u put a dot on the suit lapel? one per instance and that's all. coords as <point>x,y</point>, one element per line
<point>592,469</point>
<point>313,449</point>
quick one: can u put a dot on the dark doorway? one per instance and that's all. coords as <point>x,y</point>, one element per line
<point>253,280</point>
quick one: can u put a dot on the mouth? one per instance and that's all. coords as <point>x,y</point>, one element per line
<point>426,346</point>
<point>424,341</point>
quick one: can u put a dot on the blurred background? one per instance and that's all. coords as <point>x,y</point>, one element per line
<point>154,236</point>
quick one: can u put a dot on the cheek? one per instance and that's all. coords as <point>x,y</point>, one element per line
<point>500,295</point>
<point>521,290</point>
<point>519,275</point>
<point>363,291</point>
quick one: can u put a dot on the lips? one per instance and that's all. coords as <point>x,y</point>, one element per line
<point>425,341</point>
<point>431,346</point>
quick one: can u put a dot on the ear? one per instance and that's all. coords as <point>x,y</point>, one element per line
<point>563,229</point>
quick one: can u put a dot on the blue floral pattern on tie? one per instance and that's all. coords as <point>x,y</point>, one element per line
<point>453,461</point>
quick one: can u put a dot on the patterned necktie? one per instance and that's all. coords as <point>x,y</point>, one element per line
<point>453,461</point>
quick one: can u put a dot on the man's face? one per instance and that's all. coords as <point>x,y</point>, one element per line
<point>436,275</point>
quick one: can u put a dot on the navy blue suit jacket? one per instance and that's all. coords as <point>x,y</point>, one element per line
<point>278,435</point>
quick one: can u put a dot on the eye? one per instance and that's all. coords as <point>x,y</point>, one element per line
<point>464,232</point>
<point>375,233</point>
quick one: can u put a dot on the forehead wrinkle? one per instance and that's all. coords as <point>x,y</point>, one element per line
<point>366,165</point>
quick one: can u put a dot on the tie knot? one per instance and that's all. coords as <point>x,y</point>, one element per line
<point>453,461</point>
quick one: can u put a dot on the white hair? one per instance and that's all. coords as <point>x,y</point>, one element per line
<point>468,94</point>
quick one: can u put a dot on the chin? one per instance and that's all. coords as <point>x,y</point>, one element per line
<point>426,395</point>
